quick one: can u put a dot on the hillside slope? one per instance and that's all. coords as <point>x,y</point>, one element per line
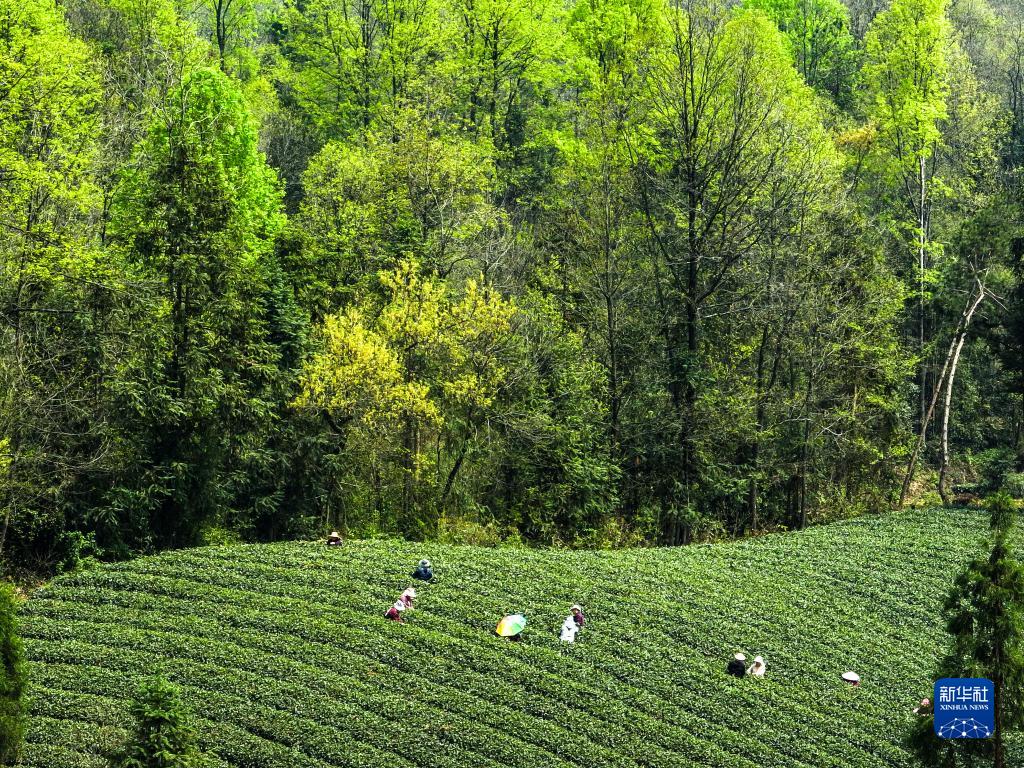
<point>284,654</point>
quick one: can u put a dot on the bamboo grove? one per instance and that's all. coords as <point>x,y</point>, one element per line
<point>599,272</point>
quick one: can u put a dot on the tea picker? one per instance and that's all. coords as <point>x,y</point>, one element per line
<point>569,630</point>
<point>394,613</point>
<point>511,627</point>
<point>572,625</point>
<point>737,666</point>
<point>424,571</point>
<point>758,668</point>
<point>577,616</point>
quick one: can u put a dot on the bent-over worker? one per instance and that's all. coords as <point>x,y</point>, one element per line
<point>424,571</point>
<point>737,665</point>
<point>394,613</point>
<point>577,616</point>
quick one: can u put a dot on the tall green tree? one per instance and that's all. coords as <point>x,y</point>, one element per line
<point>985,619</point>
<point>423,190</point>
<point>737,144</point>
<point>354,61</point>
<point>143,49</point>
<point>906,82</point>
<point>196,221</point>
<point>506,48</point>
<point>597,232</point>
<point>820,39</point>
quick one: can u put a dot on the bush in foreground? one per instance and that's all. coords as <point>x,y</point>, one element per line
<point>163,737</point>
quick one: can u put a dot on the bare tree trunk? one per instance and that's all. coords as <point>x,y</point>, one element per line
<point>221,10</point>
<point>759,419</point>
<point>921,254</point>
<point>450,480</point>
<point>10,508</point>
<point>944,467</point>
<point>805,442</point>
<point>961,330</point>
<point>610,290</point>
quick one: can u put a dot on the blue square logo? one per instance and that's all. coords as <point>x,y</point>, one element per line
<point>965,708</point>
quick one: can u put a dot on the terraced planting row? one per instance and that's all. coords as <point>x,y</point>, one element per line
<point>283,652</point>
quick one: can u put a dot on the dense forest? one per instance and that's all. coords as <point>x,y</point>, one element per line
<point>585,273</point>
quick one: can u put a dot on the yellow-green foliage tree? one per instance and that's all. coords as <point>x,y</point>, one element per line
<point>413,379</point>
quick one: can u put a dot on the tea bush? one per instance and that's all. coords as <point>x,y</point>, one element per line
<point>284,656</point>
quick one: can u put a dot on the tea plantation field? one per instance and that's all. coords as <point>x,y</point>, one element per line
<point>286,659</point>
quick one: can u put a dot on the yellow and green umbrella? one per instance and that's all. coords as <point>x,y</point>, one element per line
<point>511,625</point>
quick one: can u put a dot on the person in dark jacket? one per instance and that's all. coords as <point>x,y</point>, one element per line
<point>737,666</point>
<point>334,539</point>
<point>424,571</point>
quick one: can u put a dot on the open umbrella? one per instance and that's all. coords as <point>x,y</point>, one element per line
<point>511,625</point>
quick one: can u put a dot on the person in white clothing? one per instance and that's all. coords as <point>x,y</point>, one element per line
<point>569,630</point>
<point>757,669</point>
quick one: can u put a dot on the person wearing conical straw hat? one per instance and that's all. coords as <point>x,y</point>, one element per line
<point>394,613</point>
<point>408,596</point>
<point>334,539</point>
<point>852,678</point>
<point>757,669</point>
<point>737,666</point>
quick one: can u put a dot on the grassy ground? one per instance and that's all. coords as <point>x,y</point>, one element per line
<point>285,657</point>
